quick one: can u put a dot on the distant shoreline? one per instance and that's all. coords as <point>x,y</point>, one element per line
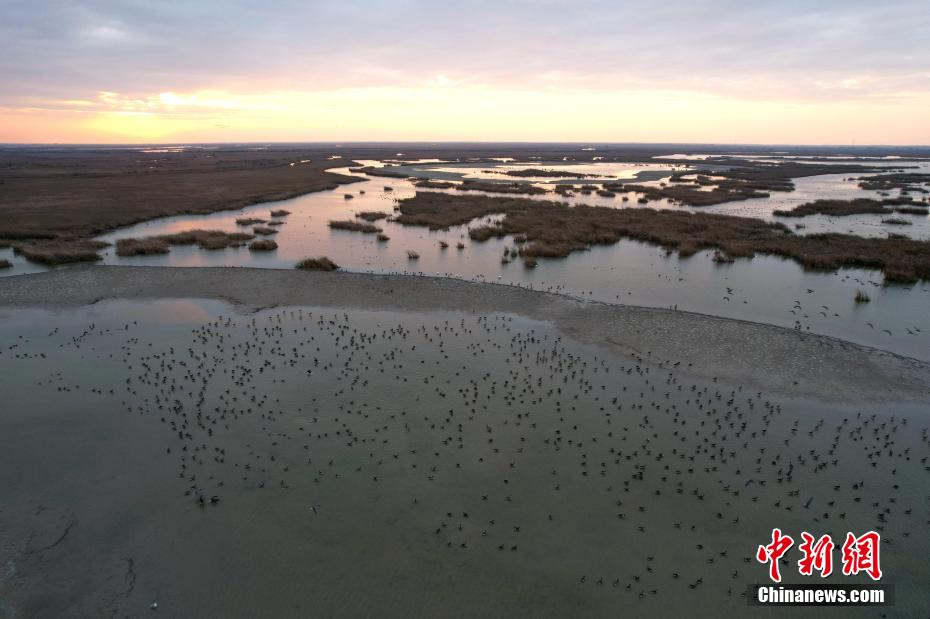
<point>753,355</point>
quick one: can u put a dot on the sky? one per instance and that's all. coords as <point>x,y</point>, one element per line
<point>705,71</point>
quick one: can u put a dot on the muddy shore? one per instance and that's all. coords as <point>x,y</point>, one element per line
<point>756,355</point>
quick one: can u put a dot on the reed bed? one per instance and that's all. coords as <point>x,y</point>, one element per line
<point>516,188</point>
<point>428,184</point>
<point>354,226</point>
<point>839,208</point>
<point>553,229</point>
<point>263,245</point>
<point>141,247</point>
<point>371,215</point>
<point>205,239</point>
<point>322,263</point>
<point>60,251</point>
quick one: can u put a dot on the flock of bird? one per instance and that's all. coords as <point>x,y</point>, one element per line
<point>508,442</point>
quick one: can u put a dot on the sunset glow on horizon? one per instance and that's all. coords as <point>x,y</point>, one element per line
<point>111,72</point>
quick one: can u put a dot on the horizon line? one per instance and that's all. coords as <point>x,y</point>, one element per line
<point>339,143</point>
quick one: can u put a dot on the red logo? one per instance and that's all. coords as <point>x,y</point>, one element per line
<point>860,554</point>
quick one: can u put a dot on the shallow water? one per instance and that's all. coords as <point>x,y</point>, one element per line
<point>764,289</point>
<point>388,463</point>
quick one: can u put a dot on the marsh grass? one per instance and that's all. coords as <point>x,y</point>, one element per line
<point>354,226</point>
<point>905,181</point>
<point>5,264</point>
<point>60,251</point>
<point>321,263</point>
<point>539,173</point>
<point>383,237</point>
<point>428,184</point>
<point>249,221</point>
<point>519,188</point>
<point>722,257</point>
<point>263,245</point>
<point>912,210</point>
<point>260,230</point>
<point>371,215</point>
<point>412,255</point>
<point>553,229</point>
<point>280,213</point>
<point>141,247</point>
<point>862,296</point>
<point>838,208</point>
<point>205,239</point>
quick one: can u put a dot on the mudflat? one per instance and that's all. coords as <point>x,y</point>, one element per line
<point>249,442</point>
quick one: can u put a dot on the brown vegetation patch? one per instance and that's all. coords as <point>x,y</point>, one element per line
<point>553,229</point>
<point>280,213</point>
<point>386,171</point>
<point>907,181</point>
<point>5,264</point>
<point>249,221</point>
<point>521,188</point>
<point>317,264</point>
<point>263,245</point>
<point>371,215</point>
<point>354,226</point>
<point>911,210</point>
<point>60,251</point>
<point>690,195</point>
<point>539,173</point>
<point>836,208</point>
<point>141,247</point>
<point>264,231</point>
<point>65,193</point>
<point>428,184</point>
<point>207,239</point>
<point>859,206</point>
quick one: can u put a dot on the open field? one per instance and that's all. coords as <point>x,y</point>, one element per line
<point>72,193</point>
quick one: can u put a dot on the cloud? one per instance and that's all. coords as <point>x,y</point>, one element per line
<point>196,58</point>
